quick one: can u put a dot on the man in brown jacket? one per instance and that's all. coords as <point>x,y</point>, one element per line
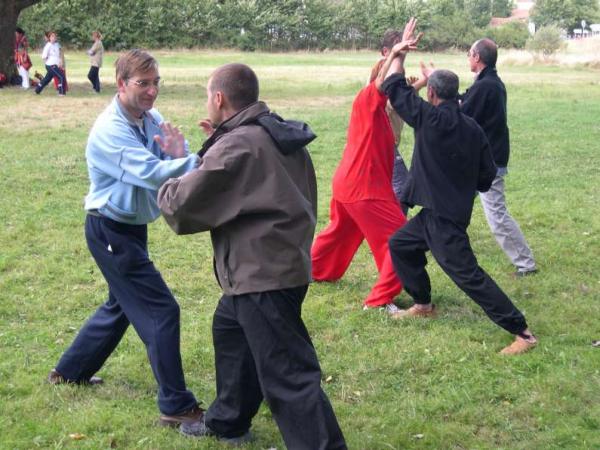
<point>255,191</point>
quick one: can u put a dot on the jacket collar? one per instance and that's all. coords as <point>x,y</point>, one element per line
<point>487,72</point>
<point>247,115</point>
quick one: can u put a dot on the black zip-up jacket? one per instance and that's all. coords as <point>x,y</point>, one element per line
<point>451,158</point>
<point>485,101</point>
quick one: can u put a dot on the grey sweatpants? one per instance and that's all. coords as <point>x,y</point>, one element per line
<point>504,228</point>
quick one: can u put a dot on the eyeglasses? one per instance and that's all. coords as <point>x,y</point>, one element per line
<point>145,84</point>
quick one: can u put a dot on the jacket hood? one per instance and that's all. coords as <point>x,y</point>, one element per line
<point>288,135</point>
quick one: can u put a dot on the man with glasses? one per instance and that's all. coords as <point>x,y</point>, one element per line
<point>485,101</point>
<point>130,153</point>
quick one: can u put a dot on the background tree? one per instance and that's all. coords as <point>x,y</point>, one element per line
<point>272,25</point>
<point>502,8</point>
<point>9,15</point>
<point>566,14</point>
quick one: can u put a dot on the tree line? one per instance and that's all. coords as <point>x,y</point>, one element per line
<point>271,25</point>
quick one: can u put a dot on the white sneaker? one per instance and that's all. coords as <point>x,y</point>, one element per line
<point>390,309</point>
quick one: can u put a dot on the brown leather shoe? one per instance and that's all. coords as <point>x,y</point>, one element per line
<point>195,414</point>
<point>54,377</point>
<point>413,311</point>
<point>519,345</point>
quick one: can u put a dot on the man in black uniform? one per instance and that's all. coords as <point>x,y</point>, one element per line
<point>451,162</point>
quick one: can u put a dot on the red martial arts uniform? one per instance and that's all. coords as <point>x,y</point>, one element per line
<point>363,204</point>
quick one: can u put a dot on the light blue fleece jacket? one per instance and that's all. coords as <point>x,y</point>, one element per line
<point>126,167</point>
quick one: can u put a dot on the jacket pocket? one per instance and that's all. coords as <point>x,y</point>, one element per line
<point>226,268</point>
<point>127,252</point>
<point>122,205</point>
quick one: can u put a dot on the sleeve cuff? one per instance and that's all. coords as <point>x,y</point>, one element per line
<point>397,79</point>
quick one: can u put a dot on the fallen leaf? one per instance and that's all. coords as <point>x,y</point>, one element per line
<point>77,436</point>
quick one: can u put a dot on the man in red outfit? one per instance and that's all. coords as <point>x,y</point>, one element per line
<point>364,205</point>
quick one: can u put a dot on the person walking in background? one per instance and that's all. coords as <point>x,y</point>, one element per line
<point>96,52</point>
<point>256,192</point>
<point>451,161</point>
<point>130,152</point>
<point>22,59</point>
<point>485,101</point>
<point>53,60</point>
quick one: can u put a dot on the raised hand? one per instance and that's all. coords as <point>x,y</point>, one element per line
<point>411,80</point>
<point>409,29</point>
<point>427,71</point>
<point>409,40</point>
<point>172,142</point>
<point>206,126</point>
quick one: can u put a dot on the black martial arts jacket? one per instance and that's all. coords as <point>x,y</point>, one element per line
<point>485,101</point>
<point>451,158</point>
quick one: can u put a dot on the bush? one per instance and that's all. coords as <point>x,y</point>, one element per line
<point>511,35</point>
<point>449,32</point>
<point>546,41</point>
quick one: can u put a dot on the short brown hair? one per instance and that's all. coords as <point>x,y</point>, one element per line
<point>390,38</point>
<point>134,61</point>
<point>237,82</point>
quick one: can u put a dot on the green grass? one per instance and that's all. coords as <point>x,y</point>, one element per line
<point>434,384</point>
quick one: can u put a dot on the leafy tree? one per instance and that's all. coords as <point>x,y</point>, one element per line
<point>565,13</point>
<point>257,24</point>
<point>502,8</point>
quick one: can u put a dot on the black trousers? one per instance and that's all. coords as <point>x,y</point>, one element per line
<point>94,77</point>
<point>51,72</point>
<point>450,246</point>
<point>138,295</point>
<point>263,351</point>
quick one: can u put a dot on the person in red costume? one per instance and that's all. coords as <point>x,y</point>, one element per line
<point>363,205</point>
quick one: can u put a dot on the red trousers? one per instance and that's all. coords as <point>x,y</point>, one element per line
<point>334,247</point>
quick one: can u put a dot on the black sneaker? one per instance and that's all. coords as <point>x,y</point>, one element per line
<point>199,429</point>
<point>525,273</point>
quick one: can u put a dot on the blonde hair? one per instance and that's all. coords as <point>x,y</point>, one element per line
<point>97,34</point>
<point>134,61</point>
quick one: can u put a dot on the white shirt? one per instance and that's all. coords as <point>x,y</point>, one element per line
<point>51,54</point>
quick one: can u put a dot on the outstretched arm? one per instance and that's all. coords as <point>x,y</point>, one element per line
<point>395,60</point>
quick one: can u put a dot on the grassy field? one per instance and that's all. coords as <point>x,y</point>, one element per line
<point>435,384</point>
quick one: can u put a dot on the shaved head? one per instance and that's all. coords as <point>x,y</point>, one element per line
<point>237,82</point>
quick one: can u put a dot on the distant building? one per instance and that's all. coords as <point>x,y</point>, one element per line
<point>520,14</point>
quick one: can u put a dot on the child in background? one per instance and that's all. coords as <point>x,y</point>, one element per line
<point>96,53</point>
<point>22,57</point>
<point>53,60</point>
